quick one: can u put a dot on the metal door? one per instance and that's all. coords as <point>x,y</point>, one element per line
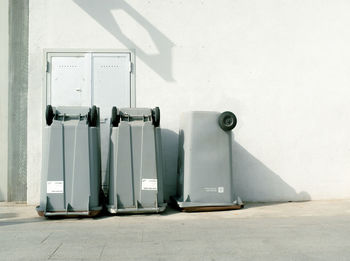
<point>111,81</point>
<point>89,78</point>
<point>69,81</point>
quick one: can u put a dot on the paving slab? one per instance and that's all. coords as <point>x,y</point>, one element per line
<point>313,230</point>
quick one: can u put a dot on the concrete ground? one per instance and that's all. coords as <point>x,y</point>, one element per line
<point>315,230</point>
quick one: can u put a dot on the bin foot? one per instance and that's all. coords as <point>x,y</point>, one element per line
<point>211,208</point>
<point>203,207</point>
<point>159,209</point>
<point>90,213</point>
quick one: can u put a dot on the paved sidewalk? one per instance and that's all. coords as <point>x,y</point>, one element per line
<point>315,230</point>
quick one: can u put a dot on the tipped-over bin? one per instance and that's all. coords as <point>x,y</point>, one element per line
<point>71,180</point>
<point>136,165</point>
<point>205,162</point>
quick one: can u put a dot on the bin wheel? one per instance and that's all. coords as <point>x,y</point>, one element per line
<point>115,117</point>
<point>156,116</point>
<point>49,115</point>
<point>227,121</point>
<point>89,116</point>
<point>93,116</point>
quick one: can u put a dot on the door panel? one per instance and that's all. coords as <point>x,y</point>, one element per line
<point>70,84</point>
<point>111,81</point>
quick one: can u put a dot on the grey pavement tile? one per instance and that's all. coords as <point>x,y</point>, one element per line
<point>311,231</point>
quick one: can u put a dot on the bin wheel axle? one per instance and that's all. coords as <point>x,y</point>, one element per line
<point>227,121</point>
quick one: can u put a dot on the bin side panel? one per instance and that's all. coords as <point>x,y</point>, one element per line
<point>104,137</point>
<point>80,190</point>
<point>185,152</point>
<point>136,146</point>
<point>95,167</point>
<point>124,173</point>
<point>160,165</point>
<point>54,162</point>
<point>44,167</point>
<point>183,157</point>
<point>112,196</point>
<point>149,182</point>
<point>69,144</point>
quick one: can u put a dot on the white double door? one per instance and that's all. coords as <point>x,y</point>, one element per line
<point>86,79</point>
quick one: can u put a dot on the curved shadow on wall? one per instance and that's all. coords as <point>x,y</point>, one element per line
<point>161,62</point>
<point>255,182</point>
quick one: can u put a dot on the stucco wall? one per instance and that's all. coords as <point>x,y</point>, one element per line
<point>4,53</point>
<point>13,99</point>
<point>17,100</point>
<point>281,66</point>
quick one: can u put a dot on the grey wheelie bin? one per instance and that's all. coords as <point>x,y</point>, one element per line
<point>136,165</point>
<point>205,162</point>
<point>71,180</point>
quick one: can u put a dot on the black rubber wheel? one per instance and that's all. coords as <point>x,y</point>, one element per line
<point>115,119</point>
<point>93,116</point>
<point>156,116</point>
<point>89,116</point>
<point>49,115</point>
<point>227,121</point>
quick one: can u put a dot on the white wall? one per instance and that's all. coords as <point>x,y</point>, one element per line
<point>282,66</point>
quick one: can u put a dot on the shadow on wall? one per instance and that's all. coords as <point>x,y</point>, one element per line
<point>170,150</point>
<point>255,182</point>
<point>161,62</point>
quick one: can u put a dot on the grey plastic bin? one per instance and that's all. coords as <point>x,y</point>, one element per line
<point>71,180</point>
<point>136,165</point>
<point>205,161</point>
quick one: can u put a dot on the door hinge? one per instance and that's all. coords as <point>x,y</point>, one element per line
<point>130,67</point>
<point>47,66</point>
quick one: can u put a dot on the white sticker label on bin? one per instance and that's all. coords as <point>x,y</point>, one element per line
<point>54,187</point>
<point>149,184</point>
<point>220,189</point>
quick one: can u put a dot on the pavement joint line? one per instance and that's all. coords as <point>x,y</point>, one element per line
<point>103,248</point>
<point>42,241</point>
<point>55,250</point>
